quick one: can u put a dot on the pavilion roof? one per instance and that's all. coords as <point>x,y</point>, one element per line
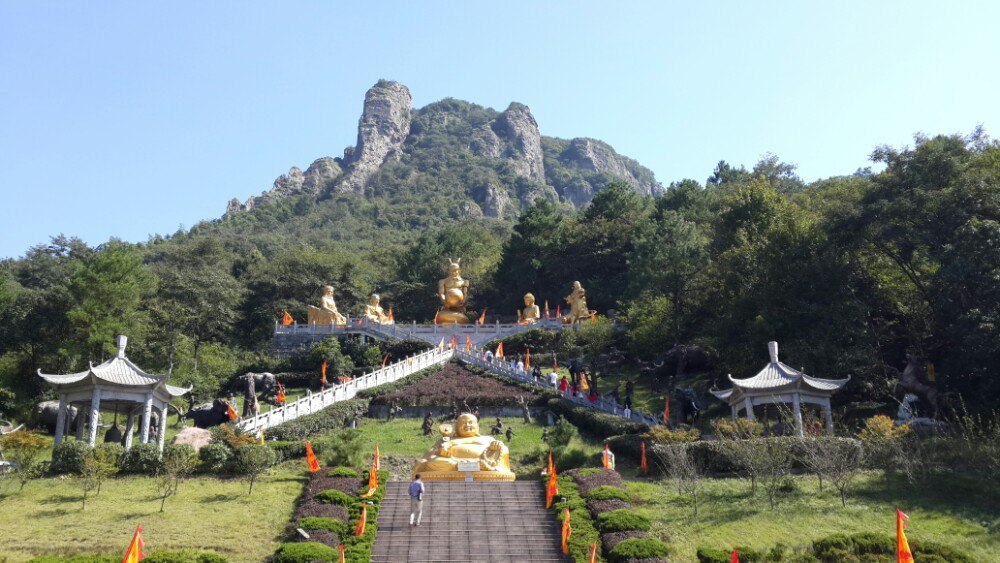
<point>777,376</point>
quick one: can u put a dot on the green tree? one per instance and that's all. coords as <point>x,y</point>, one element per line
<point>23,449</point>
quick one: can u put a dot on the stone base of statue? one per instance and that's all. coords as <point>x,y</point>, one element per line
<point>489,476</point>
<point>447,317</point>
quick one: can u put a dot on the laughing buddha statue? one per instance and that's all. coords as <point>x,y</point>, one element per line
<point>453,292</point>
<point>490,455</point>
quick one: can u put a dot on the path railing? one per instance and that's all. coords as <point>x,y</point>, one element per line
<point>430,333</point>
<point>314,402</point>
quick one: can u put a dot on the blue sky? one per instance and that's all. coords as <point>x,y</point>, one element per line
<point>134,118</point>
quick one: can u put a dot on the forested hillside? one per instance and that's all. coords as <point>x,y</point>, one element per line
<point>851,273</point>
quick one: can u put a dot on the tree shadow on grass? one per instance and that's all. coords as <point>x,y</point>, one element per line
<point>217,498</point>
<point>134,515</point>
<point>951,493</point>
<point>61,499</point>
<point>55,512</point>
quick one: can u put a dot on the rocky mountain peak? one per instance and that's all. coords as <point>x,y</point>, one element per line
<point>518,125</point>
<point>590,154</point>
<point>384,125</point>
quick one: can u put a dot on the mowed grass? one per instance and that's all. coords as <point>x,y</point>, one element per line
<point>953,511</point>
<point>207,514</point>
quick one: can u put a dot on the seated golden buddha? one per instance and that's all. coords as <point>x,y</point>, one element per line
<point>326,313</point>
<point>530,314</point>
<point>375,313</point>
<point>447,459</point>
<point>453,292</point>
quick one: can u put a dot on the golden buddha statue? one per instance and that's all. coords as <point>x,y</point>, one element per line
<point>578,310</point>
<point>326,313</point>
<point>453,291</point>
<point>374,312</point>
<point>531,313</point>
<point>447,459</point>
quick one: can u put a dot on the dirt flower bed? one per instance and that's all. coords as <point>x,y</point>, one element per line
<point>589,479</point>
<point>601,506</point>
<point>454,383</point>
<point>612,539</point>
<point>320,482</point>
<point>312,508</point>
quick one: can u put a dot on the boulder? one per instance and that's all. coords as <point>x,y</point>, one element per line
<point>194,437</point>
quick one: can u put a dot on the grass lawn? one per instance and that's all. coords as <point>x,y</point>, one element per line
<point>950,510</point>
<point>207,514</point>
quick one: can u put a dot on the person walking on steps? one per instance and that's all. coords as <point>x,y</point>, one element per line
<point>416,500</point>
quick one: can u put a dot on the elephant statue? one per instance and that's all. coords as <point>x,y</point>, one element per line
<point>687,400</point>
<point>264,384</point>
<point>208,415</point>
<point>46,413</point>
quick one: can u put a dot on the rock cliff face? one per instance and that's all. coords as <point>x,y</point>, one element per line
<point>320,174</point>
<point>384,125</point>
<point>589,154</point>
<point>520,128</point>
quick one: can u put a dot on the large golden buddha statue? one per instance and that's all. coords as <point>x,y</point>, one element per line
<point>453,291</point>
<point>450,457</point>
<point>530,314</point>
<point>577,300</point>
<point>375,313</point>
<point>326,313</point>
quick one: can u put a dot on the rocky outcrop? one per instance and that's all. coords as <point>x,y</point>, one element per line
<point>384,125</point>
<point>484,142</point>
<point>492,199</point>
<point>589,154</point>
<point>320,174</point>
<point>518,126</point>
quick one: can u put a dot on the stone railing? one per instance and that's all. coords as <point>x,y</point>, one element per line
<point>430,333</point>
<point>314,402</point>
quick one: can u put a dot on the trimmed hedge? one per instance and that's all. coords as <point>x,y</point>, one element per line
<point>638,548</point>
<point>333,496</point>
<point>324,523</point>
<point>622,520</point>
<point>359,548</point>
<point>838,548</point>
<point>215,457</point>
<point>584,532</point>
<point>141,459</point>
<point>596,423</point>
<point>329,418</point>
<point>305,552</point>
<point>68,457</point>
<point>608,492</point>
<point>342,472</point>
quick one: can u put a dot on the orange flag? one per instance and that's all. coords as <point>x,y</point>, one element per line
<point>734,557</point>
<point>453,344</point>
<point>323,371</point>
<point>607,458</point>
<point>551,488</point>
<point>231,412</point>
<point>546,308</point>
<point>385,359</point>
<point>666,410</point>
<point>340,550</point>
<point>482,317</point>
<point>558,311</point>
<point>360,530</point>
<point>286,319</point>
<point>372,481</point>
<point>583,382</point>
<point>642,459</point>
<point>499,353</point>
<point>468,343</point>
<point>903,554</point>
<point>134,552</point>
<point>281,393</point>
<point>311,458</point>
<point>566,532</point>
<point>359,321</point>
<point>389,316</point>
<point>593,553</point>
<point>527,359</point>
<point>436,316</point>
<point>555,365</point>
<point>552,466</point>
<point>378,458</point>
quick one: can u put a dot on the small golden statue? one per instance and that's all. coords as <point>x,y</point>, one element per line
<point>453,291</point>
<point>531,313</point>
<point>488,458</point>
<point>577,300</point>
<point>374,312</point>
<point>326,313</point>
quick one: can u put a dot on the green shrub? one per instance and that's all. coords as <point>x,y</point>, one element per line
<point>112,451</point>
<point>588,471</point>
<point>638,548</point>
<point>141,459</point>
<point>68,457</point>
<point>330,418</point>
<point>712,555</point>
<point>333,496</point>
<point>608,492</point>
<point>593,422</point>
<point>323,523</point>
<point>584,532</point>
<point>571,458</point>
<point>215,458</point>
<point>622,520</point>
<point>184,556</point>
<point>927,551</point>
<point>342,472</point>
<point>305,552</point>
<point>77,559</point>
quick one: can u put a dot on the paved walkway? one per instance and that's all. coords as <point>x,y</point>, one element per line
<point>468,522</point>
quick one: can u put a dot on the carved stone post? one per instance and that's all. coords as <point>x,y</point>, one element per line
<point>95,416</point>
<point>129,429</point>
<point>147,413</point>
<point>61,419</point>
<point>161,429</point>
<point>797,413</point>
<point>828,414</point>
<point>748,404</point>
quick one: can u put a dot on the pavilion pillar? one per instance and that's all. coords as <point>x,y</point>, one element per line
<point>80,418</point>
<point>734,409</point>
<point>95,415</point>
<point>828,414</point>
<point>61,419</point>
<point>797,414</point>
<point>147,413</point>
<point>129,429</point>
<point>748,405</point>
<point>162,429</point>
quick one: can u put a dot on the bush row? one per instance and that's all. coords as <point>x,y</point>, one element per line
<point>145,459</point>
<point>839,548</point>
<point>596,423</point>
<point>333,416</point>
<point>584,532</point>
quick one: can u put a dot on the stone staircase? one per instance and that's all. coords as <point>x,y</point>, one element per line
<point>468,521</point>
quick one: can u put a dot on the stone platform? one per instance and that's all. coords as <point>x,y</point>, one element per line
<point>468,522</point>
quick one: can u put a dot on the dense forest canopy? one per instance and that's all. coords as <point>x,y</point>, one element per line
<point>852,274</point>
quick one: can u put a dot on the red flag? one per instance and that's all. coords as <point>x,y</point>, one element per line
<point>436,316</point>
<point>903,553</point>
<point>642,460</point>
<point>311,458</point>
<point>385,359</point>
<point>482,317</point>
<point>499,353</point>
<point>734,557</point>
<point>372,481</point>
<point>359,321</point>
<point>134,552</point>
<point>323,370</point>
<point>551,488</point>
<point>607,458</point>
<point>546,308</point>
<point>286,319</point>
<point>231,412</point>
<point>552,466</point>
<point>281,393</point>
<point>389,316</point>
<point>468,343</point>
<point>452,344</point>
<point>340,550</point>
<point>555,365</point>
<point>378,458</point>
<point>593,553</point>
<point>360,530</point>
<point>527,359</point>
<point>666,410</point>
<point>558,311</point>
<point>566,532</point>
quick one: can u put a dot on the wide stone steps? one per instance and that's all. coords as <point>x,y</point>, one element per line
<point>466,522</point>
